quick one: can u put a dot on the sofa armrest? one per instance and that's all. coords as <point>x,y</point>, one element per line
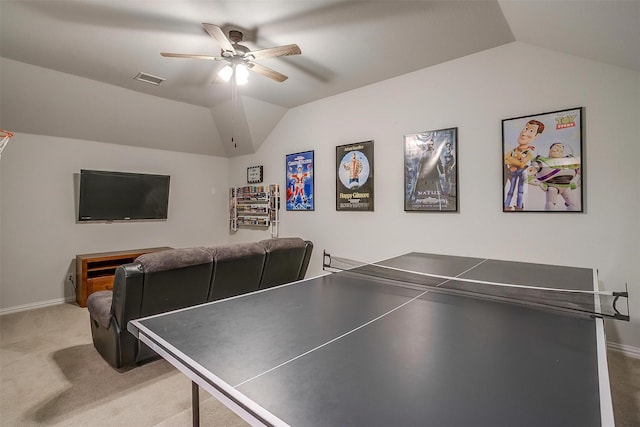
<point>127,293</point>
<point>99,307</point>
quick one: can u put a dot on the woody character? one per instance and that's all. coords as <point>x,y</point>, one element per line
<point>517,161</point>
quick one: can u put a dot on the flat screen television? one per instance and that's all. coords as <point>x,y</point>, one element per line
<point>122,196</point>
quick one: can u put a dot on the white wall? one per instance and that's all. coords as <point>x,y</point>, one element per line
<point>39,236</point>
<point>474,94</point>
<point>39,233</point>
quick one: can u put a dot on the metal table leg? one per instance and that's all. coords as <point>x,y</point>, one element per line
<point>195,403</point>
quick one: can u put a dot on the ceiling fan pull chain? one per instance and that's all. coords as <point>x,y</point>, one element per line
<point>234,103</point>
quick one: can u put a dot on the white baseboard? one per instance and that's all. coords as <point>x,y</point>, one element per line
<point>627,350</point>
<point>31,306</point>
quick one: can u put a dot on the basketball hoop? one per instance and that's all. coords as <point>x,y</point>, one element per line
<point>5,136</point>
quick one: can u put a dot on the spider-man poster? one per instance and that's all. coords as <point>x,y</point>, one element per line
<point>300,195</point>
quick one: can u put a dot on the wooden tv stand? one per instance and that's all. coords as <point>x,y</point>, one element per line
<point>95,272</point>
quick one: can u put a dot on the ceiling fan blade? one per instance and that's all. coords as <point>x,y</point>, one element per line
<point>268,72</point>
<point>217,33</point>
<point>272,52</point>
<point>188,55</point>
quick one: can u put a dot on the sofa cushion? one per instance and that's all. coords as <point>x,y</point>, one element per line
<point>235,251</point>
<point>174,279</point>
<point>283,243</point>
<point>237,269</point>
<point>99,306</point>
<point>285,258</point>
<point>173,258</point>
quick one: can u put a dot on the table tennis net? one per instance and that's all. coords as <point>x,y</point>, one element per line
<point>593,303</point>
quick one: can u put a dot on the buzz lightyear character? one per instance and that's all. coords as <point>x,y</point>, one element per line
<point>558,174</point>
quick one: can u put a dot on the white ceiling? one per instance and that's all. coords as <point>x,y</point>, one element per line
<point>345,44</point>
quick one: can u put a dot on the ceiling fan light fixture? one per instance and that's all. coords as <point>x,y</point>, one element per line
<point>242,74</point>
<point>225,73</point>
<point>239,59</point>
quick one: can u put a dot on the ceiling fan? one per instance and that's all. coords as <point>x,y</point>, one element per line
<point>238,57</point>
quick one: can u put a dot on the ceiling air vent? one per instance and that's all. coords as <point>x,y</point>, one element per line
<point>148,78</point>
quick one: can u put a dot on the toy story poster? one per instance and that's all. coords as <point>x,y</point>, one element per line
<point>542,162</point>
<point>431,171</point>
<point>354,177</point>
<point>300,181</point>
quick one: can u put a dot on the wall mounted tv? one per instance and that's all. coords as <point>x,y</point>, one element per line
<point>122,196</point>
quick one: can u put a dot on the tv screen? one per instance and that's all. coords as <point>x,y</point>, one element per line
<point>114,196</point>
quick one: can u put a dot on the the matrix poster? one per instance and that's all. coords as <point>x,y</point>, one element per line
<point>431,171</point>
<point>354,177</point>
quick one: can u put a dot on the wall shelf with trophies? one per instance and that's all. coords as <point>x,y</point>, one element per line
<point>255,206</point>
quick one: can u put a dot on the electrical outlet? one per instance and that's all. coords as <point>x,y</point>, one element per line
<point>70,278</point>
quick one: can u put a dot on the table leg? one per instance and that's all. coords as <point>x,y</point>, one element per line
<point>195,404</point>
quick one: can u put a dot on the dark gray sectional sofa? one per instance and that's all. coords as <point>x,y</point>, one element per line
<point>177,278</point>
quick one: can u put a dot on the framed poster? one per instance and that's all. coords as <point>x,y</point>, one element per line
<point>354,177</point>
<point>431,171</point>
<point>254,174</point>
<point>300,181</point>
<point>542,162</point>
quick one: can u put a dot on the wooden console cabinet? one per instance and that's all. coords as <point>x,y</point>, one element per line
<point>95,272</point>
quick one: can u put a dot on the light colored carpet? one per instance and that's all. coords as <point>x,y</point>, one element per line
<point>624,375</point>
<point>50,374</point>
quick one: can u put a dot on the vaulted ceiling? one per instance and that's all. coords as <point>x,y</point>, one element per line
<point>344,44</point>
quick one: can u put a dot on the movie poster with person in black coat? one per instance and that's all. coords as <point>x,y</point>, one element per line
<point>431,171</point>
<point>354,177</point>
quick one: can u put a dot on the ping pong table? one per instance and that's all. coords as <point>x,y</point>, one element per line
<point>341,350</point>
